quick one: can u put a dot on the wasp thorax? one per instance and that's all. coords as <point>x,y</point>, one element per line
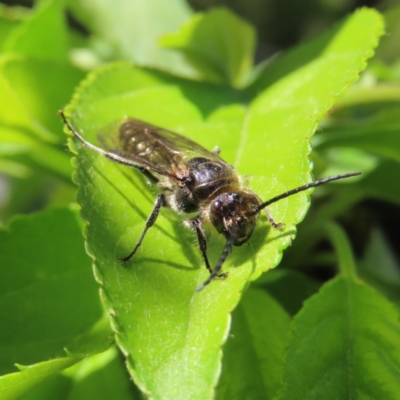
<point>233,211</point>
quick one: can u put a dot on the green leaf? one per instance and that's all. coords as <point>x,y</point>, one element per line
<point>374,136</point>
<point>289,288</point>
<point>219,44</point>
<point>378,94</point>
<point>132,29</point>
<point>284,117</point>
<point>39,313</point>
<point>44,263</point>
<point>14,169</point>
<point>379,183</point>
<point>43,34</point>
<point>164,289</point>
<point>12,112</point>
<point>18,148</point>
<point>380,250</point>
<point>341,160</point>
<point>29,125</point>
<point>344,342</point>
<point>13,141</point>
<point>343,250</point>
<point>102,376</point>
<point>29,105</point>
<point>10,18</point>
<point>386,278</point>
<point>97,340</point>
<point>162,325</point>
<point>389,51</point>
<point>253,353</point>
<point>341,51</point>
<point>55,387</point>
<point>15,385</point>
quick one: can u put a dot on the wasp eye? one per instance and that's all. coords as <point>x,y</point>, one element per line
<point>189,180</point>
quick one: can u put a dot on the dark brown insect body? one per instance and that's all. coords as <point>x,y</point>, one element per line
<point>193,180</point>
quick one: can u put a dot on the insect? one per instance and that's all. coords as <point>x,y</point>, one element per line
<point>192,180</point>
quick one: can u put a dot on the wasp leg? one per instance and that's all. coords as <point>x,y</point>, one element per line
<point>271,220</point>
<point>149,223</point>
<point>224,255</point>
<point>201,237</point>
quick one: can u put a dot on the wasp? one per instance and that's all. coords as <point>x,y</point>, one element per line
<point>191,180</point>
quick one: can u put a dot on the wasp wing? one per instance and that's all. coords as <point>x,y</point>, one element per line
<point>154,148</point>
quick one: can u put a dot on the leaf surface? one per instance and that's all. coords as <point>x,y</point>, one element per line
<point>345,341</point>
<point>219,44</point>
<point>48,300</point>
<point>38,313</point>
<point>42,35</point>
<point>253,353</point>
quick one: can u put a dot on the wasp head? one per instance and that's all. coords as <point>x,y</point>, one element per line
<point>233,213</point>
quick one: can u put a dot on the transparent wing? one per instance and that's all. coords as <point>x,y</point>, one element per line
<point>155,148</point>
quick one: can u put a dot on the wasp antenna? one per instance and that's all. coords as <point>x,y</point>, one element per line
<point>224,255</point>
<point>69,126</point>
<point>84,142</point>
<point>302,188</point>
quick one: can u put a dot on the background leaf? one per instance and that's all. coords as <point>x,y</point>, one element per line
<point>44,262</point>
<point>43,34</point>
<point>15,385</point>
<point>344,334</point>
<point>30,138</point>
<point>10,17</point>
<point>41,377</point>
<point>25,100</point>
<point>377,135</point>
<point>102,376</point>
<point>203,41</point>
<point>131,29</point>
<point>255,347</point>
<point>290,288</point>
<point>333,350</point>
